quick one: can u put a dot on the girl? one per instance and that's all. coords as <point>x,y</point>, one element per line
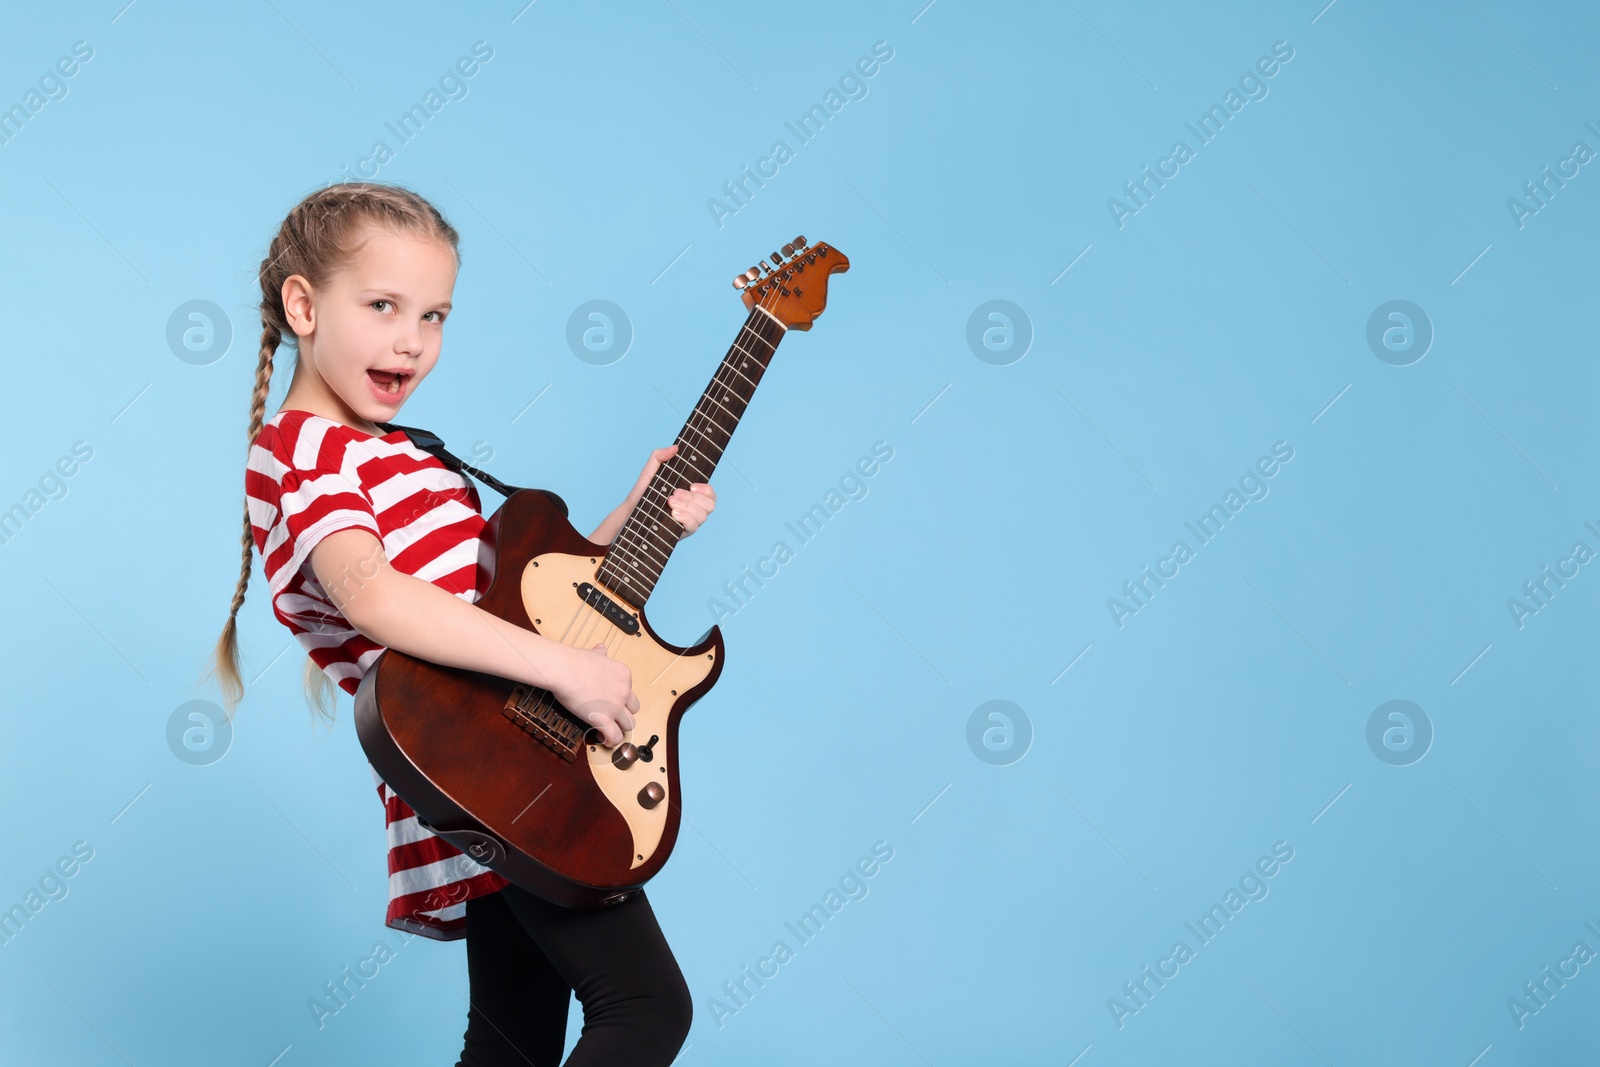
<point>359,280</point>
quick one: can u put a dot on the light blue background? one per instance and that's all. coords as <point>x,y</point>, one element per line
<point>1229,714</point>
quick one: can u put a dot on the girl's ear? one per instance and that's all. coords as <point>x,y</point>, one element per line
<point>297,305</point>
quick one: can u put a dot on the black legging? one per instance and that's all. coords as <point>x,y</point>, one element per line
<point>526,957</point>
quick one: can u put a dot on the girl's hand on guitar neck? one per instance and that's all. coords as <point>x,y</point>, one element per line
<point>689,507</point>
<point>599,690</point>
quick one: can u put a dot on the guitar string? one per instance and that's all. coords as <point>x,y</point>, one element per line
<point>610,640</point>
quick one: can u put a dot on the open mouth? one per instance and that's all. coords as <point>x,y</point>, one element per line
<point>389,383</point>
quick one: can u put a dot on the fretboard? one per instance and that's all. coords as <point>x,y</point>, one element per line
<point>640,551</point>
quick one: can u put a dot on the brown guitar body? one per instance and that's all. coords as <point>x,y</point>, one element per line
<point>505,774</point>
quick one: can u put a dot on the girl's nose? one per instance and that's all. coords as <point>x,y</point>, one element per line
<point>410,341</point>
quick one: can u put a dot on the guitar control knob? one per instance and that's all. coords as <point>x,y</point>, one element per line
<point>625,755</point>
<point>651,795</point>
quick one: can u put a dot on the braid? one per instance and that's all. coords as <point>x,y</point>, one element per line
<point>270,339</point>
<point>226,656</point>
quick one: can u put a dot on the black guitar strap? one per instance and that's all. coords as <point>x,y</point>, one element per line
<point>431,443</point>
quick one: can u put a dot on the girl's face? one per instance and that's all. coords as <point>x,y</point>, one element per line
<point>373,331</point>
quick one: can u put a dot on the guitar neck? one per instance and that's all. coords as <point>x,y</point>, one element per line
<point>640,551</point>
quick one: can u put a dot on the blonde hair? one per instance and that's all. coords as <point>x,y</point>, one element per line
<point>321,234</point>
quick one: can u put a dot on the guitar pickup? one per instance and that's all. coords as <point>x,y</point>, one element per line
<point>619,617</point>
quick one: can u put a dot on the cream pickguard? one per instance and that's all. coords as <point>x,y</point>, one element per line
<point>659,675</point>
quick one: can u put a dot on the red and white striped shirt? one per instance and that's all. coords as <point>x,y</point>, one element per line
<point>309,476</point>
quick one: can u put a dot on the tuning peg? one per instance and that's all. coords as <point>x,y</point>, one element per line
<point>738,281</point>
<point>800,242</point>
<point>788,249</point>
<point>777,259</point>
<point>752,274</point>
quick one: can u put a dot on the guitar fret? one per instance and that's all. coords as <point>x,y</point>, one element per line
<point>742,374</point>
<point>634,540</point>
<point>743,351</point>
<point>620,549</point>
<point>623,584</point>
<point>686,450</point>
<point>711,418</point>
<point>703,428</point>
<point>710,415</point>
<point>703,475</point>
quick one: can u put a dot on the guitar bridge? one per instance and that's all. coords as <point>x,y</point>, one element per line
<point>537,713</point>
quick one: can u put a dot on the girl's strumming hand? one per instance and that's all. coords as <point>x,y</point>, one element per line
<point>599,690</point>
<point>690,507</point>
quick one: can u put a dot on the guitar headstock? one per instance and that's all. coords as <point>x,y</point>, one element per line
<point>794,288</point>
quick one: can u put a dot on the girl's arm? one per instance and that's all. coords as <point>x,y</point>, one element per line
<point>689,507</point>
<point>403,612</point>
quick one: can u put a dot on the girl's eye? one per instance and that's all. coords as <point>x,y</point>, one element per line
<point>375,304</point>
<point>440,315</point>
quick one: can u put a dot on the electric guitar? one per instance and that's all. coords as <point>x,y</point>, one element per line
<point>503,771</point>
